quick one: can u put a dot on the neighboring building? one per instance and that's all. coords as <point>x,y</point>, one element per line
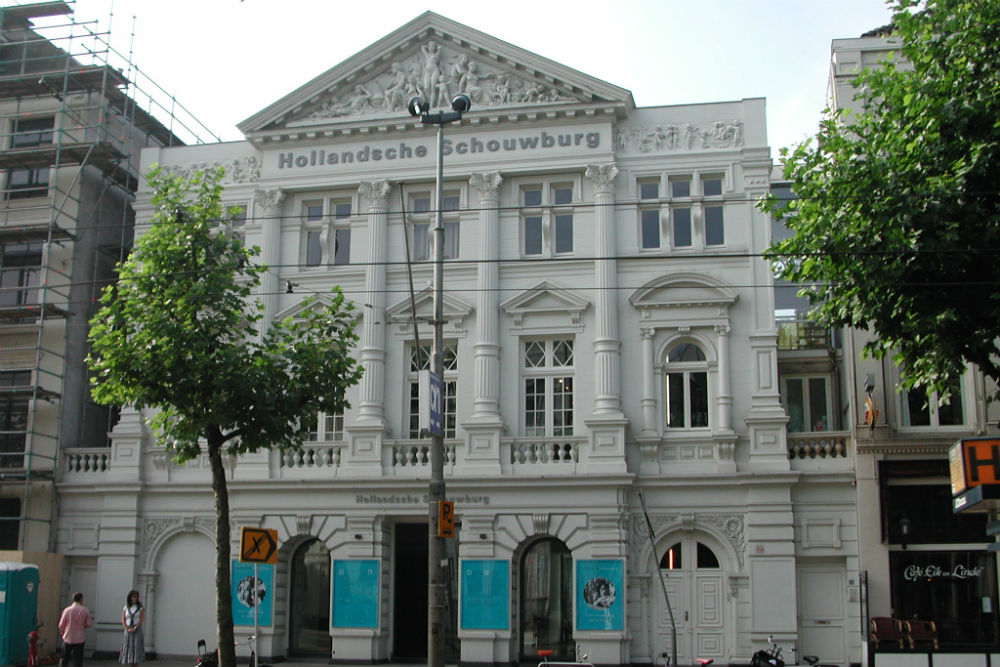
<point>72,130</point>
<point>917,560</point>
<point>609,330</point>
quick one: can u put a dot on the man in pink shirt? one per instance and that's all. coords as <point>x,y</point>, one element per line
<point>74,620</point>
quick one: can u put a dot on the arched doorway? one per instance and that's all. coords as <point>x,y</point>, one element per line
<point>546,600</point>
<point>694,576</point>
<point>309,601</point>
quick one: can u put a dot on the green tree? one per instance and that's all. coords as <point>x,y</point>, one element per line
<point>179,333</point>
<point>896,221</point>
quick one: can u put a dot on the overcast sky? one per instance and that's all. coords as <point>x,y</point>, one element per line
<point>227,59</point>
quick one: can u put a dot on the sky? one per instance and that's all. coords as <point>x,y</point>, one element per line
<point>225,60</point>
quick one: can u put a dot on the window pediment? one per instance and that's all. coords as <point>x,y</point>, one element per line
<point>454,310</point>
<point>683,291</point>
<point>545,298</point>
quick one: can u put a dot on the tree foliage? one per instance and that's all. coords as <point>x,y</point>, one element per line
<point>896,218</point>
<point>179,333</point>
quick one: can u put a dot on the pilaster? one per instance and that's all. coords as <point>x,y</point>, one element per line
<point>267,205</point>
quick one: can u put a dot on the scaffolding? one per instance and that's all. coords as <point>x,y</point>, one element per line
<point>74,116</point>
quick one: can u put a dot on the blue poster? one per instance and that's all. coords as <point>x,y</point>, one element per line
<point>247,593</point>
<point>485,593</point>
<point>355,594</point>
<point>600,595</point>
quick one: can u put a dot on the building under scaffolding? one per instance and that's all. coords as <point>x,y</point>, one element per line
<point>74,115</point>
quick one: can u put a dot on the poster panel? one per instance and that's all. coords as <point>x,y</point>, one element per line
<point>600,595</point>
<point>246,593</point>
<point>355,594</point>
<point>485,594</point>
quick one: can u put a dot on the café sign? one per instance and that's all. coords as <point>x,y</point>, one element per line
<point>936,572</point>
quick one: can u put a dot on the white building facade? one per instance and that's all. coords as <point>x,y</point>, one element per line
<point>609,331</point>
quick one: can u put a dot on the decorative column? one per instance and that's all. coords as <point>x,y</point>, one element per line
<point>607,423</point>
<point>649,437</point>
<point>482,455</point>
<point>607,357</point>
<point>267,204</point>
<point>368,430</point>
<point>725,397</point>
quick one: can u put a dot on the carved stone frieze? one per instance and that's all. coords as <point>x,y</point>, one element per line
<point>729,525</point>
<point>687,137</point>
<point>238,170</point>
<point>436,73</point>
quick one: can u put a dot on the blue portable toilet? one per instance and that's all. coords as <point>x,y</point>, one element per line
<point>18,610</point>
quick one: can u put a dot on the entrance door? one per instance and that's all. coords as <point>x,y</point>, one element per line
<point>822,611</point>
<point>694,583</point>
<point>309,615</point>
<point>547,601</point>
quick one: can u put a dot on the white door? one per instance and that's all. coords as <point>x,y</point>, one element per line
<point>822,598</point>
<point>185,596</point>
<point>694,582</point>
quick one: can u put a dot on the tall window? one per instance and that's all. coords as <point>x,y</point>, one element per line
<point>20,267</point>
<point>13,417</point>
<point>680,211</point>
<point>423,219</point>
<point>686,381</point>
<point>711,190</point>
<point>547,366</point>
<point>341,231</point>
<point>28,132</point>
<point>807,403</point>
<point>546,206</point>
<point>422,362</point>
<point>919,409</point>
<point>10,523</point>
<point>649,214</point>
<point>312,233</point>
<point>236,215</point>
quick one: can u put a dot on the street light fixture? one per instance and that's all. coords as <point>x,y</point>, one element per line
<point>436,573</point>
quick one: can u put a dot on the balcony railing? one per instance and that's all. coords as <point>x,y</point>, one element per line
<point>802,334</point>
<point>819,445</point>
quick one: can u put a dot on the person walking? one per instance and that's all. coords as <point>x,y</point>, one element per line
<point>133,616</point>
<point>72,623</point>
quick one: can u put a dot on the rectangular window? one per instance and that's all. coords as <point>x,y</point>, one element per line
<point>682,227</point>
<point>13,417</point>
<point>327,428</point>
<point>422,361</point>
<point>422,226</point>
<point>546,207</point>
<point>20,269</point>
<point>312,233</point>
<point>919,409</point>
<point>807,404</point>
<point>548,387</point>
<point>26,133</point>
<point>237,217</point>
<point>649,215</point>
<point>314,247</point>
<point>342,246</point>
<point>711,189</point>
<point>680,187</point>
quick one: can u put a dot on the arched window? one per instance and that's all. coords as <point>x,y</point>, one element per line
<point>686,387</point>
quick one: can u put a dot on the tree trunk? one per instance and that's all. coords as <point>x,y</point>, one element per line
<point>223,601</point>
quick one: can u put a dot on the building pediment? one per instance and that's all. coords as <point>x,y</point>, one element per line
<point>434,58</point>
<point>545,298</point>
<point>422,309</point>
<point>683,291</point>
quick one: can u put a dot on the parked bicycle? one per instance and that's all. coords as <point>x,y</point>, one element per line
<point>211,659</point>
<point>769,657</point>
<point>546,653</point>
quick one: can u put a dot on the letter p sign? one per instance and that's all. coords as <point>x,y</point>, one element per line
<point>446,518</point>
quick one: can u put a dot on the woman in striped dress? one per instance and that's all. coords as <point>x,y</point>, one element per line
<point>133,616</point>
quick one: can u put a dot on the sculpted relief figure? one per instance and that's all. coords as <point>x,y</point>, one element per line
<point>434,76</point>
<point>720,134</point>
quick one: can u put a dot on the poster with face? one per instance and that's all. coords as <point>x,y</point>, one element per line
<point>600,595</point>
<point>248,592</point>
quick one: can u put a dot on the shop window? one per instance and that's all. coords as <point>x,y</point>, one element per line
<point>807,403</point>
<point>686,384</point>
<point>422,362</point>
<point>547,376</point>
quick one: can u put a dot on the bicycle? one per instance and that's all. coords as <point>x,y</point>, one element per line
<point>206,659</point>
<point>546,653</point>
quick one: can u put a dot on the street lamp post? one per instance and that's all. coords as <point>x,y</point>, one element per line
<point>436,571</point>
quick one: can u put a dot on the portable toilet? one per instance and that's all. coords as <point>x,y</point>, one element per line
<point>18,610</point>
